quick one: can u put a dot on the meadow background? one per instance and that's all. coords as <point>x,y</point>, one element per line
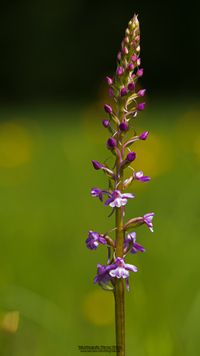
<point>53,62</point>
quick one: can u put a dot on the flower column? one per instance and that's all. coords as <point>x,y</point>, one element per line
<point>119,283</point>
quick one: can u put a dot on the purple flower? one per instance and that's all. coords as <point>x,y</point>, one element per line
<point>123,126</point>
<point>141,92</point>
<point>140,106</point>
<point>144,135</point>
<point>109,80</point>
<point>97,193</point>
<point>140,72</point>
<point>123,91</point>
<point>117,199</point>
<point>120,71</point>
<point>131,86</point>
<point>94,239</point>
<point>108,109</point>
<point>147,219</point>
<point>106,123</point>
<point>119,269</point>
<point>131,239</point>
<point>102,276</point>
<point>111,143</point>
<point>140,176</point>
<point>131,156</point>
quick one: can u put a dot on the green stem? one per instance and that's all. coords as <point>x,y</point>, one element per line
<point>119,290</point>
<point>119,283</point>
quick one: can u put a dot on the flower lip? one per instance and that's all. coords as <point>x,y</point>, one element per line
<point>140,176</point>
<point>147,218</point>
<point>131,240</point>
<point>117,199</point>
<point>121,269</point>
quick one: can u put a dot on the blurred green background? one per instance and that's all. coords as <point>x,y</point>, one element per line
<point>53,61</point>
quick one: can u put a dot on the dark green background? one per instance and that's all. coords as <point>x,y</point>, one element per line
<point>63,49</point>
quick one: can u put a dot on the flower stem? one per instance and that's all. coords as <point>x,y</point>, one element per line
<point>119,284</point>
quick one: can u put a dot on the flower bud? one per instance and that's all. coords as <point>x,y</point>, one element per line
<point>97,165</point>
<point>141,92</point>
<point>127,32</point>
<point>119,56</point>
<point>109,80</point>
<point>130,66</point>
<point>123,126</point>
<point>120,71</point>
<point>106,123</point>
<point>108,109</point>
<point>123,91</point>
<point>134,57</point>
<point>140,72</point>
<point>138,62</point>
<point>125,50</point>
<point>126,39</point>
<point>131,156</point>
<point>111,143</point>
<point>144,135</point>
<point>140,106</point>
<point>131,86</point>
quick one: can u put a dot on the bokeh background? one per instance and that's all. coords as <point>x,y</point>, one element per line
<point>54,57</point>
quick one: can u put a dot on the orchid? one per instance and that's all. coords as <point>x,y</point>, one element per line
<point>127,104</point>
<point>117,199</point>
<point>94,239</point>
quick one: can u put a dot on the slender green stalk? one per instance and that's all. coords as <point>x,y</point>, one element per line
<point>119,285</point>
<point>119,290</point>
